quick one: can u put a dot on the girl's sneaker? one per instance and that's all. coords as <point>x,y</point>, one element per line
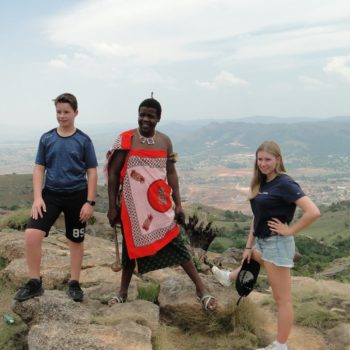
<point>275,346</point>
<point>223,276</point>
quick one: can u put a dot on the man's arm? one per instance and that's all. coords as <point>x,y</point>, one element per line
<point>115,166</point>
<point>38,206</point>
<point>173,182</point>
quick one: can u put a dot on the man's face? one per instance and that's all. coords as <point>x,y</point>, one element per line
<point>148,120</point>
<point>65,115</point>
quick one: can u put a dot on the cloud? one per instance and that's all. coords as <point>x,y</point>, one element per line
<point>340,66</point>
<point>312,83</point>
<point>58,63</point>
<point>158,31</point>
<point>222,79</point>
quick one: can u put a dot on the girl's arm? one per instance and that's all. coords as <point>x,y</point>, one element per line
<point>310,214</point>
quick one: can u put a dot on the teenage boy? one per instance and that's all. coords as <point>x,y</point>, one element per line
<point>66,165</point>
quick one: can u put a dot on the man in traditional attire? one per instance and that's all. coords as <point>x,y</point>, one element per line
<point>141,167</point>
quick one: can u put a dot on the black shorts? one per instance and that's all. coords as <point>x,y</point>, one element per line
<point>70,204</point>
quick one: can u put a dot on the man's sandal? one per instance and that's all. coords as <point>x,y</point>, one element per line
<point>205,301</point>
<point>117,299</point>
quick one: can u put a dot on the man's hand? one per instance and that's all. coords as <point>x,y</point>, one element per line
<point>179,215</point>
<point>112,216</point>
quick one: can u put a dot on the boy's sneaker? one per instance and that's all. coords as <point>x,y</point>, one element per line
<point>223,276</point>
<point>275,346</point>
<point>33,288</point>
<point>74,291</point>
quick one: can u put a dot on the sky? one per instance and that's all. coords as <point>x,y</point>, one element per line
<point>202,59</point>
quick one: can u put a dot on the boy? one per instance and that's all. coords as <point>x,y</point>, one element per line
<point>66,160</point>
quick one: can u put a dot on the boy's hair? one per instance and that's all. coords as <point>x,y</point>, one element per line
<point>152,103</point>
<point>67,98</point>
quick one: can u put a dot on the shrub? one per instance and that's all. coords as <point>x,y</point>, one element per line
<point>16,220</point>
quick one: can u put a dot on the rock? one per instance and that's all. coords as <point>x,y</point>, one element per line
<point>11,245</point>
<point>141,311</point>
<point>339,336</point>
<point>230,259</point>
<point>62,336</point>
<point>54,305</point>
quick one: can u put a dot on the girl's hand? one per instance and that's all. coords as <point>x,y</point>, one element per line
<point>247,254</point>
<point>278,227</point>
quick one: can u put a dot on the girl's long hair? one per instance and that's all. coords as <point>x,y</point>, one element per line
<point>257,179</point>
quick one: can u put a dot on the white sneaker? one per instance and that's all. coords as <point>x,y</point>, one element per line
<point>223,276</point>
<point>274,346</point>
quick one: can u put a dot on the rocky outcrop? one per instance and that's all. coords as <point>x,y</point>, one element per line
<point>55,322</point>
<point>59,323</point>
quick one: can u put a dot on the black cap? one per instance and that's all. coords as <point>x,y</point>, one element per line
<point>247,277</point>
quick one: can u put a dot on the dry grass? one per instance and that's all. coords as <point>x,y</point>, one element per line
<point>314,307</point>
<point>229,328</point>
<point>16,220</point>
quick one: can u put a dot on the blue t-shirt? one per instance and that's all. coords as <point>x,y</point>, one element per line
<point>66,160</point>
<point>275,200</point>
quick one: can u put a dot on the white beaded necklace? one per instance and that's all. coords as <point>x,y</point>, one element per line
<point>148,140</point>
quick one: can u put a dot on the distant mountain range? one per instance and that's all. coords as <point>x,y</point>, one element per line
<point>313,140</point>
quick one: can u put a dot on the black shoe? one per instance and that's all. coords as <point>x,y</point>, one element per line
<point>33,288</point>
<point>74,291</point>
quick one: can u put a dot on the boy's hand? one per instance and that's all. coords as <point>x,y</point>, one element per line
<point>86,212</point>
<point>38,208</point>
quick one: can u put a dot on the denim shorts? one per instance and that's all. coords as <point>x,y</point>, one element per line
<point>278,250</point>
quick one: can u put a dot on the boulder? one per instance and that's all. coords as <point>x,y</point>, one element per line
<point>339,336</point>
<point>62,336</point>
<point>54,305</point>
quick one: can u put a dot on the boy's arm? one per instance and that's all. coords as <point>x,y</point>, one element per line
<point>38,206</point>
<point>87,209</point>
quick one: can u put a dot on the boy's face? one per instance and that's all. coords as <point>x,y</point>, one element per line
<point>65,115</point>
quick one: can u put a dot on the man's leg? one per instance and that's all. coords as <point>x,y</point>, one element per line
<point>201,289</point>
<point>126,278</point>
<point>122,294</point>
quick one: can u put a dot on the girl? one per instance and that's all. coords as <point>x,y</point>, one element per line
<point>274,197</point>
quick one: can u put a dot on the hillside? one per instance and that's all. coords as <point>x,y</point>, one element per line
<point>324,245</point>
